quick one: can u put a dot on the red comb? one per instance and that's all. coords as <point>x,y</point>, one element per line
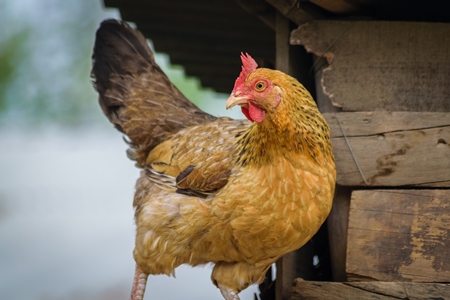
<point>248,65</point>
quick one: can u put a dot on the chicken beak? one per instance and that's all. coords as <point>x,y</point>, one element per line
<point>236,99</point>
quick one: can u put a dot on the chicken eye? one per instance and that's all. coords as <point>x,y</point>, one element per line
<point>260,86</point>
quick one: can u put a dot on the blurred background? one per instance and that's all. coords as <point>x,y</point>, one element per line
<point>66,186</point>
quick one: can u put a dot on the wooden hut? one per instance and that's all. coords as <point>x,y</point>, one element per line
<point>380,71</point>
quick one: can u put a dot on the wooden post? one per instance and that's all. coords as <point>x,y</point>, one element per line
<point>291,60</point>
<point>286,266</point>
<point>337,223</point>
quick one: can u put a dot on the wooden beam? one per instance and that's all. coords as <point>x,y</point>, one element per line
<point>313,290</point>
<point>337,6</point>
<point>292,59</point>
<point>399,235</point>
<point>283,55</point>
<point>391,148</point>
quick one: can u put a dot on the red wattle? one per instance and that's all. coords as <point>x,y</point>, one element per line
<point>246,113</point>
<point>256,113</point>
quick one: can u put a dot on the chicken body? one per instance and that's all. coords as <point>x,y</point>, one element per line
<point>260,214</point>
<point>232,192</point>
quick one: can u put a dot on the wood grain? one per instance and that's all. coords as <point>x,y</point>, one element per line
<point>313,290</point>
<point>391,148</point>
<point>399,235</point>
<point>376,65</point>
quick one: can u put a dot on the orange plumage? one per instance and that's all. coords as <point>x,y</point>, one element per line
<point>237,193</point>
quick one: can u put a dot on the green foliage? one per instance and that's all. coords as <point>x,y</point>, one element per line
<point>10,52</point>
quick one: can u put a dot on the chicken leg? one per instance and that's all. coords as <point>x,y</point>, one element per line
<point>228,293</point>
<point>139,283</point>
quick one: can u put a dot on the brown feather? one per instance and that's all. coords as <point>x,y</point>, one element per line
<point>134,93</point>
<point>199,168</point>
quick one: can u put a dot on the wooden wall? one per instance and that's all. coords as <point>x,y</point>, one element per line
<point>384,88</point>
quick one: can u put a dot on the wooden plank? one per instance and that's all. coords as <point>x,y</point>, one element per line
<point>399,235</point>
<point>376,123</point>
<point>314,290</point>
<point>392,148</point>
<point>377,65</point>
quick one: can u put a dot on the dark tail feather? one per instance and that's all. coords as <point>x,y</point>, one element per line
<point>134,93</point>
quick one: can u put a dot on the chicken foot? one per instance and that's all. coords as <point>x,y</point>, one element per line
<point>139,283</point>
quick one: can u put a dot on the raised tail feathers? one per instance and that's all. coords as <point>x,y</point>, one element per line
<point>134,93</point>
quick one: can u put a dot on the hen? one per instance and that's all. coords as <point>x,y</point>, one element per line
<point>237,193</point>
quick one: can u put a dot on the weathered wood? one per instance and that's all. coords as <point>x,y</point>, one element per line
<point>399,235</point>
<point>313,290</point>
<point>374,65</point>
<point>392,148</point>
<point>378,122</point>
